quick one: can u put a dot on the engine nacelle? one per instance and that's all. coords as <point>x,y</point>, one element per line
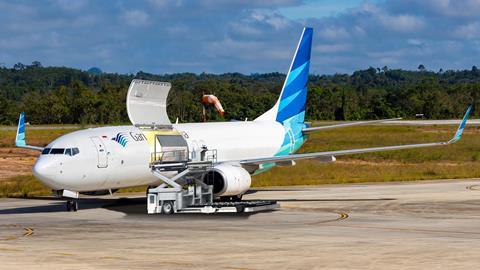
<point>228,180</point>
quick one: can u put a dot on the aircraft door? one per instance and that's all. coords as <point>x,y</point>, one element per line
<point>101,152</point>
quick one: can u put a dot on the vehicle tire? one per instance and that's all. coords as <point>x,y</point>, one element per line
<point>240,208</point>
<point>167,208</point>
<point>69,206</point>
<point>75,206</point>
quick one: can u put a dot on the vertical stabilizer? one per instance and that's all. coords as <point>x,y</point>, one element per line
<point>291,104</point>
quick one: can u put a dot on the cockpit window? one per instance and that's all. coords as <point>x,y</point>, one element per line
<point>61,151</point>
<point>57,151</point>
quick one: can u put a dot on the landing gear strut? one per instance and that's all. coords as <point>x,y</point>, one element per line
<point>72,206</point>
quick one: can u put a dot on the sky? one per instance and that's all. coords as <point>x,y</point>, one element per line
<point>254,36</point>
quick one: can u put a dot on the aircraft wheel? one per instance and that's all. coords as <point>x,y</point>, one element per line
<point>167,207</point>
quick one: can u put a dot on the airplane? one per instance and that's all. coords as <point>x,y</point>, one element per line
<point>104,159</point>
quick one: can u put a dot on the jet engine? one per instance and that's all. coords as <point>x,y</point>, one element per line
<point>228,180</point>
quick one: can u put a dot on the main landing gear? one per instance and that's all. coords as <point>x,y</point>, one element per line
<point>72,206</point>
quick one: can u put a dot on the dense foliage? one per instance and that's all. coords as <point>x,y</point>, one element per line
<point>58,95</point>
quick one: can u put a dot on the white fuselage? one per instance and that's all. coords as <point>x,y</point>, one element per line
<point>103,163</point>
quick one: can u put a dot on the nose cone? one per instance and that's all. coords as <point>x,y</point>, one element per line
<point>44,171</point>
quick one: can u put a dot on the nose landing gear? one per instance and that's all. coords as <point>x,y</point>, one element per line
<point>72,206</point>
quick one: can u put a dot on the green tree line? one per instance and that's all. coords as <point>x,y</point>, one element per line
<point>60,95</point>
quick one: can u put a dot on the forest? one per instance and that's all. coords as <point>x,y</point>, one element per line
<point>61,95</point>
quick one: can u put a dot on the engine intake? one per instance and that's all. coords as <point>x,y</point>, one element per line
<point>228,180</point>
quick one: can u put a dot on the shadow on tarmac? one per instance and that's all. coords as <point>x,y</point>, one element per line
<point>52,207</point>
<point>137,206</point>
<point>58,205</point>
<point>132,207</point>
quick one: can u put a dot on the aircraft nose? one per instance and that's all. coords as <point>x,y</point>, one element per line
<point>40,169</point>
<point>43,171</point>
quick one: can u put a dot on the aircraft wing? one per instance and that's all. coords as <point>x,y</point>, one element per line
<point>20,138</point>
<point>329,156</point>
<point>360,123</point>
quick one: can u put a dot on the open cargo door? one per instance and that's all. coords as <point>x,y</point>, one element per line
<point>147,103</point>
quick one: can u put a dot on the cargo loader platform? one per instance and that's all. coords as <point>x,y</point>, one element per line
<point>198,198</point>
<point>185,192</point>
<point>232,207</point>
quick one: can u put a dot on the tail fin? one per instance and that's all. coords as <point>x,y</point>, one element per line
<point>291,104</point>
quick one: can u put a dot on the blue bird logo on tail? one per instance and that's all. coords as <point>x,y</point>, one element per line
<point>121,138</point>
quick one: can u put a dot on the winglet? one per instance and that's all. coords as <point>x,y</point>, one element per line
<point>461,127</point>
<point>20,139</point>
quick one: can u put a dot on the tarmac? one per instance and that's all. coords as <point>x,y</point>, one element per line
<point>408,225</point>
